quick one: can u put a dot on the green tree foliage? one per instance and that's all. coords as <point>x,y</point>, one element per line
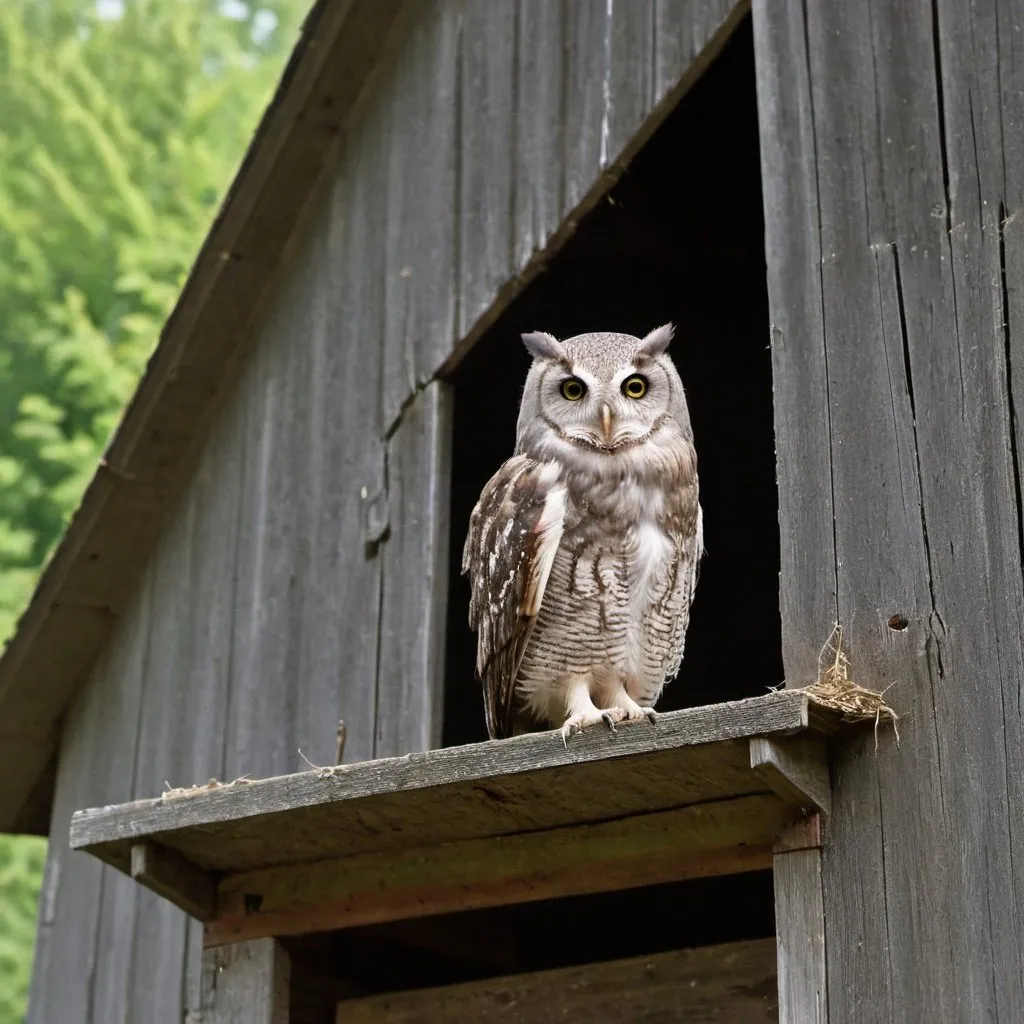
<point>121,125</point>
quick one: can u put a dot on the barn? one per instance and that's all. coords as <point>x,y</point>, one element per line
<point>824,199</point>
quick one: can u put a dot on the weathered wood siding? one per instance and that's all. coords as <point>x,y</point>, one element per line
<point>301,579</point>
<point>894,183</point>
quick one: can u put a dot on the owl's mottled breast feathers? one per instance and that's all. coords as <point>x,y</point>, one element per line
<point>514,533</point>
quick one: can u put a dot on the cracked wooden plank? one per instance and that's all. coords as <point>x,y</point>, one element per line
<point>886,182</point>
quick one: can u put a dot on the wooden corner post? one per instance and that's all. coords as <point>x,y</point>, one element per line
<point>797,769</point>
<point>246,983</point>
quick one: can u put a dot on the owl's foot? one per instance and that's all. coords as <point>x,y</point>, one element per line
<point>584,719</point>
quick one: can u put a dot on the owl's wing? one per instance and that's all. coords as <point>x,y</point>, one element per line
<point>514,533</point>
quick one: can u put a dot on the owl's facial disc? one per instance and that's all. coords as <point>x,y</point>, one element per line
<point>603,412</point>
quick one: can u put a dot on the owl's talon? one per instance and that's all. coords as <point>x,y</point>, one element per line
<point>609,720</point>
<point>651,715</point>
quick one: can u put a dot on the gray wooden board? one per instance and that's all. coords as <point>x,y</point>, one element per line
<point>630,84</point>
<point>149,462</point>
<point>410,673</point>
<point>688,34</point>
<point>588,66</point>
<point>487,141</point>
<point>216,493</point>
<point>421,101</point>
<point>729,984</point>
<point>154,967</point>
<point>541,128</point>
<point>800,934</point>
<point>485,788</point>
<point>716,837</point>
<point>247,983</point>
<point>341,597</point>
<point>885,159</point>
<point>86,917</point>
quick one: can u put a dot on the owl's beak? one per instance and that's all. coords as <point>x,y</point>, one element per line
<point>606,423</point>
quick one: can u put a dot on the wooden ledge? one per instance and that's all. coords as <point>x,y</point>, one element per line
<point>732,982</point>
<point>702,791</point>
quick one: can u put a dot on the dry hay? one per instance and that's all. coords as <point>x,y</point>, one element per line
<point>835,690</point>
<point>177,792</point>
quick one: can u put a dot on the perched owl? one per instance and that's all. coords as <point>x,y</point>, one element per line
<point>582,551</point>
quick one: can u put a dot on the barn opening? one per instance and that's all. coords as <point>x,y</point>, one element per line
<point>680,238</point>
<point>548,934</point>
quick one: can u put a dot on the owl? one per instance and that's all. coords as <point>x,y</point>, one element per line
<point>583,548</point>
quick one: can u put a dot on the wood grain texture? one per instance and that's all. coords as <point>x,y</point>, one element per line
<point>247,983</point>
<point>541,130</point>
<point>800,934</point>
<point>153,969</point>
<point>169,875</point>
<point>631,66</point>
<point>728,984</point>
<point>796,769</point>
<point>727,837</point>
<point>421,101</point>
<point>486,143</point>
<point>887,156</point>
<point>410,667</point>
<point>86,916</point>
<point>99,562</point>
<point>588,41</point>
<point>480,785</point>
<point>341,594</point>
<point>686,34</point>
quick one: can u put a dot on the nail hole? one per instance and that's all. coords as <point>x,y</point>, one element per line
<point>898,622</point>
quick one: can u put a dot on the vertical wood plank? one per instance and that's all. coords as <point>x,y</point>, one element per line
<point>488,140</point>
<point>86,911</point>
<point>410,682</point>
<point>206,683</point>
<point>630,93</point>
<point>800,935</point>
<point>540,126</point>
<point>588,43</point>
<point>343,607</point>
<point>421,102</point>
<point>246,983</point>
<point>915,330</point>
<point>789,183</point>
<point>155,967</point>
<point>683,30</point>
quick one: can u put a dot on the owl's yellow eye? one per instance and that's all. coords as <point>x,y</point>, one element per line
<point>573,389</point>
<point>635,386</point>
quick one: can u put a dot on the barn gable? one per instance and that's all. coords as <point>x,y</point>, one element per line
<point>413,110</point>
<point>281,473</point>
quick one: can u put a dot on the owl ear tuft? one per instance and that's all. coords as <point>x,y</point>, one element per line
<point>657,341</point>
<point>543,346</point>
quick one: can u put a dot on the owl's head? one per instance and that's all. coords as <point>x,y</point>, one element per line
<point>600,394</point>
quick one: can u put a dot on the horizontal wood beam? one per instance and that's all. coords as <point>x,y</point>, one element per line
<point>169,875</point>
<point>203,825</point>
<point>795,768</point>
<point>726,837</point>
<point>730,984</point>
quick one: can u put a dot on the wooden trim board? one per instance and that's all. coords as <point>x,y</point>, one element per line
<point>475,826</point>
<point>483,788</point>
<point>733,983</point>
<point>727,837</point>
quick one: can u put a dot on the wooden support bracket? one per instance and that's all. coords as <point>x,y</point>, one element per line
<point>796,769</point>
<point>170,875</point>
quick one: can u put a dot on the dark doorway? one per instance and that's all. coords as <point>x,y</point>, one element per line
<point>680,238</point>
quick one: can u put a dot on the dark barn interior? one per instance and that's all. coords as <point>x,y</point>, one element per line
<point>680,239</point>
